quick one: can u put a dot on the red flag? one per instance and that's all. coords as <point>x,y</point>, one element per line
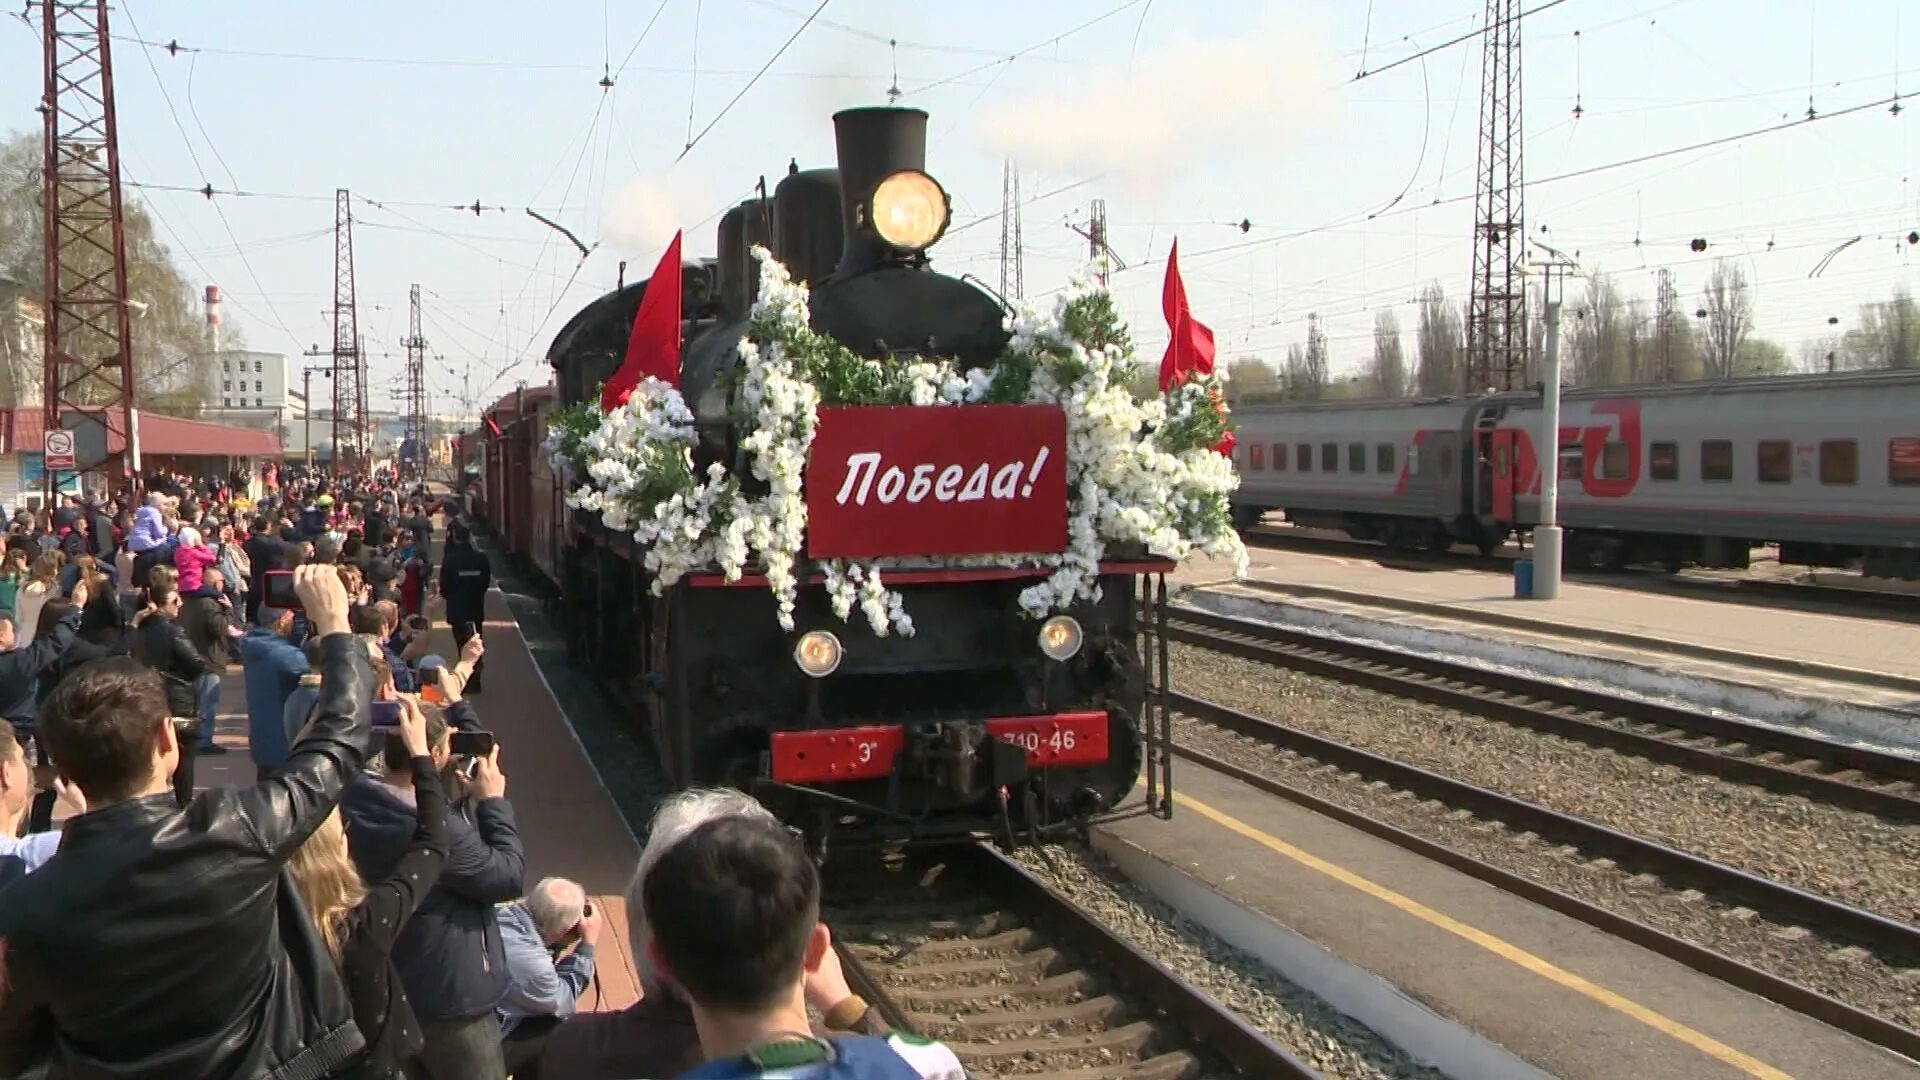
<point>654,347</point>
<point>491,426</point>
<point>1190,345</point>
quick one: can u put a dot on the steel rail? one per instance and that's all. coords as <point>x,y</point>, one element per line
<point>1785,992</point>
<point>1822,914</point>
<point>1215,1030</point>
<point>1552,707</point>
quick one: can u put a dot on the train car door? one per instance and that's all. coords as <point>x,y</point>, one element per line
<point>1503,467</point>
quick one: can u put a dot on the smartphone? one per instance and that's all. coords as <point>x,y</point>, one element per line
<point>278,590</point>
<point>386,714</point>
<point>473,743</point>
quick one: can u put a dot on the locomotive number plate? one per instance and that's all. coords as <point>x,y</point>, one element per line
<point>836,755</point>
<point>1063,739</point>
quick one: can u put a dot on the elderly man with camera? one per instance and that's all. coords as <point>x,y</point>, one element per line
<point>549,939</point>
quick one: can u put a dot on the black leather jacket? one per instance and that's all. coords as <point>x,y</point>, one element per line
<point>165,943</point>
<point>161,644</point>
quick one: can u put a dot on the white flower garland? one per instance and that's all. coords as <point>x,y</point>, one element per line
<point>1122,487</point>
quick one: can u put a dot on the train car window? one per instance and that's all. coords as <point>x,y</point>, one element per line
<point>1356,457</point>
<point>1903,462</point>
<point>1279,457</point>
<point>1613,461</point>
<point>1257,456</point>
<point>1329,457</point>
<point>1716,460</point>
<point>1572,461</point>
<point>1302,457</point>
<point>1775,457</point>
<point>1383,457</point>
<point>1839,461</point>
<point>1663,461</point>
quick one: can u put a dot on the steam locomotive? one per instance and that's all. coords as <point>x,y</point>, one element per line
<point>984,722</point>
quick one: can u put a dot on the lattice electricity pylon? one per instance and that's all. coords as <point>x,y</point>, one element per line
<point>88,357</point>
<point>416,403</point>
<point>349,384</point>
<point>1497,309</point>
<point>1013,275</point>
<point>1099,253</point>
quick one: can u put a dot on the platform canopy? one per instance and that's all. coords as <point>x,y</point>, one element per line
<point>23,427</point>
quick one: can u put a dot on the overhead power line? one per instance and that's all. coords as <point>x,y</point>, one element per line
<point>1451,42</point>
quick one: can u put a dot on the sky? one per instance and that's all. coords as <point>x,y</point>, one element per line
<point>1186,117</point>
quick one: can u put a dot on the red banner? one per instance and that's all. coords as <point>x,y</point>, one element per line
<point>902,480</point>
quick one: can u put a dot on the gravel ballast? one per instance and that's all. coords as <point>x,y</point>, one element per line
<point>1317,1034</point>
<point>1851,856</point>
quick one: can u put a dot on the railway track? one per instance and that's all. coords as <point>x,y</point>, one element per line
<point>1842,925</point>
<point>1855,777</point>
<point>965,946</point>
<point>1796,595</point>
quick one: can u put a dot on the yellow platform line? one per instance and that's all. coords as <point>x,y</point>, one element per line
<point>1505,950</point>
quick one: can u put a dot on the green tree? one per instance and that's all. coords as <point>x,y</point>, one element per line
<point>1758,356</point>
<point>1250,378</point>
<point>171,346</point>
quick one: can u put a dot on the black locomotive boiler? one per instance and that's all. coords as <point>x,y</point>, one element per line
<point>985,721</point>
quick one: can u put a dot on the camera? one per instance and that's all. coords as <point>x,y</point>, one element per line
<point>278,591</point>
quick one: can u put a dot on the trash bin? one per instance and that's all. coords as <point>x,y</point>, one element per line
<point>1523,578</point>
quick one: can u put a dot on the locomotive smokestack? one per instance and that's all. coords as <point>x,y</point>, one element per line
<point>873,144</point>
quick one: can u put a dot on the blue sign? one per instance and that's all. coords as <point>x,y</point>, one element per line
<point>33,471</point>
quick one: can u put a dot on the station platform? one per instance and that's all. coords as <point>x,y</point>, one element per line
<point>1869,660</point>
<point>568,824</point>
<point>1418,951</point>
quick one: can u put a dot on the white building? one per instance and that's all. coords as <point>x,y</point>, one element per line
<point>244,379</point>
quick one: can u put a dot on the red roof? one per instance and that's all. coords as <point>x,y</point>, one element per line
<point>23,429</point>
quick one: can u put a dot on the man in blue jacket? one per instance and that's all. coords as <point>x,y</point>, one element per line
<point>272,666</point>
<point>450,957</point>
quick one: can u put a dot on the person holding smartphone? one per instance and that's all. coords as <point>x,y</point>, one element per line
<point>360,922</point>
<point>450,957</point>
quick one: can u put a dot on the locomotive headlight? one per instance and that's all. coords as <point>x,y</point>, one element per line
<point>817,653</point>
<point>909,210</point>
<point>1060,637</point>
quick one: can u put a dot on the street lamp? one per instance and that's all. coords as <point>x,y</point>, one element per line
<point>1546,533</point>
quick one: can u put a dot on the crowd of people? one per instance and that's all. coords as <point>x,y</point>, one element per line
<point>361,909</point>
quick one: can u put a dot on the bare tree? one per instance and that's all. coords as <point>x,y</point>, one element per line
<point>1888,335</point>
<point>1316,360</point>
<point>1822,355</point>
<point>1294,379</point>
<point>1442,351</point>
<point>1389,374</point>
<point>1596,351</point>
<point>1728,318</point>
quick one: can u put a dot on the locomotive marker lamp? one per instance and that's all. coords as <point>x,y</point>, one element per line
<point>1061,638</point>
<point>909,210</point>
<point>817,653</point>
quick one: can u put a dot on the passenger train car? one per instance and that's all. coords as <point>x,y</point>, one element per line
<point>1825,466</point>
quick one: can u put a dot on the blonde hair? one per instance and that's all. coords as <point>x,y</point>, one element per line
<point>45,570</point>
<point>328,884</point>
